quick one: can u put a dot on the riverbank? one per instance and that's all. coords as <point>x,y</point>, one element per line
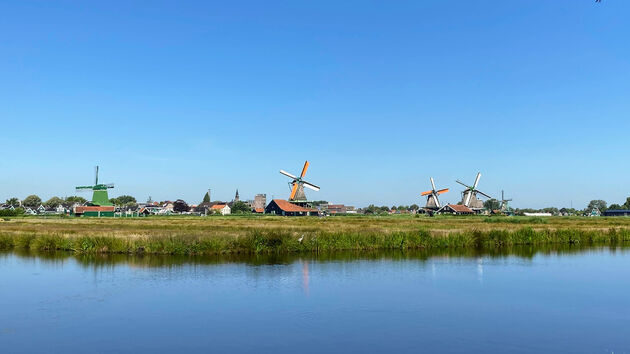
<point>267,234</point>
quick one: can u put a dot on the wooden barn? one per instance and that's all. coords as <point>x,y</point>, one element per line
<point>456,209</point>
<point>284,208</point>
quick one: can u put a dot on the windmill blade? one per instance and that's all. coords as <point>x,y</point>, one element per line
<point>293,190</point>
<point>426,193</point>
<point>84,187</point>
<point>468,196</point>
<point>484,194</point>
<point>109,185</point>
<point>465,185</point>
<point>442,191</point>
<point>288,174</point>
<point>432,183</point>
<point>96,175</point>
<point>477,180</point>
<point>304,169</point>
<point>437,200</point>
<point>311,186</point>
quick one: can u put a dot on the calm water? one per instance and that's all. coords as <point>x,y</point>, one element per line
<point>530,300</point>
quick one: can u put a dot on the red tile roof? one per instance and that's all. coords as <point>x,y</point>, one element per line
<point>290,207</point>
<point>259,210</point>
<point>218,206</point>
<point>83,209</point>
<point>460,208</point>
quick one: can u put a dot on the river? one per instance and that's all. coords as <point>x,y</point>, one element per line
<point>518,300</point>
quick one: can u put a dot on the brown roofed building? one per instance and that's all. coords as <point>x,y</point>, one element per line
<point>284,208</point>
<point>457,209</point>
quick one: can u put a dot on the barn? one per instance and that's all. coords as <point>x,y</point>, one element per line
<point>617,212</point>
<point>284,208</point>
<point>94,210</point>
<point>456,209</point>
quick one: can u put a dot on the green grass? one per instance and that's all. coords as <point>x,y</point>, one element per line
<point>280,240</point>
<point>254,234</point>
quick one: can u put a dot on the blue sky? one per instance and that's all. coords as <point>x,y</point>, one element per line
<point>173,98</point>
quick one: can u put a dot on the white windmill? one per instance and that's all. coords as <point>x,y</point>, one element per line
<point>298,184</point>
<point>433,202</point>
<point>504,203</point>
<point>469,195</point>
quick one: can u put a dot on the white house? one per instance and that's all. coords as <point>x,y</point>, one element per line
<point>224,209</point>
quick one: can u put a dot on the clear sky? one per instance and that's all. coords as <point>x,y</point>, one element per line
<point>173,98</point>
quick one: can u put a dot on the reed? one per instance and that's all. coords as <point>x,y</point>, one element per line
<point>282,239</point>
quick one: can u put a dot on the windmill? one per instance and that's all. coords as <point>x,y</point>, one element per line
<point>504,203</point>
<point>99,197</point>
<point>433,202</point>
<point>469,195</point>
<point>298,184</point>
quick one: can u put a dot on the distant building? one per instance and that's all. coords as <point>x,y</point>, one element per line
<point>457,209</point>
<point>595,212</point>
<point>537,214</point>
<point>97,211</point>
<point>224,209</point>
<point>260,202</point>
<point>284,208</point>
<point>617,212</point>
<point>167,207</point>
<point>336,209</point>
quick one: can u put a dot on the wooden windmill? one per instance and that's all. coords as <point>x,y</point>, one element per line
<point>433,202</point>
<point>297,185</point>
<point>469,195</point>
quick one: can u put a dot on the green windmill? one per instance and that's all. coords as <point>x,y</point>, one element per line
<point>99,197</point>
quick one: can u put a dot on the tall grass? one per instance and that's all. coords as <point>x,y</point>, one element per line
<point>282,241</point>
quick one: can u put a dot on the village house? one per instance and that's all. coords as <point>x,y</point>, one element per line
<point>223,209</point>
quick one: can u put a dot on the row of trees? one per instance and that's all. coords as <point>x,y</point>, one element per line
<point>33,201</point>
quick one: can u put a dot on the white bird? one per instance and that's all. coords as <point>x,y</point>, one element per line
<point>300,239</point>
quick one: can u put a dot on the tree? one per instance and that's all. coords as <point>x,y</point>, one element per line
<point>53,202</point>
<point>13,201</point>
<point>206,198</point>
<point>615,206</point>
<point>599,204</point>
<point>627,204</point>
<point>124,200</point>
<point>180,206</point>
<point>414,207</point>
<point>32,201</point>
<point>491,204</point>
<point>75,199</point>
<point>240,208</point>
<point>371,209</point>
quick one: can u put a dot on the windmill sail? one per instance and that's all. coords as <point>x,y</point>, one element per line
<point>298,183</point>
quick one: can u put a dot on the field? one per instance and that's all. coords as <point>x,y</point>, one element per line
<point>270,234</point>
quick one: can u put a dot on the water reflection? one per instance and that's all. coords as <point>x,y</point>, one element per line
<point>447,255</point>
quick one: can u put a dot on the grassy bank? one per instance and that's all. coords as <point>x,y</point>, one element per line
<point>246,235</point>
